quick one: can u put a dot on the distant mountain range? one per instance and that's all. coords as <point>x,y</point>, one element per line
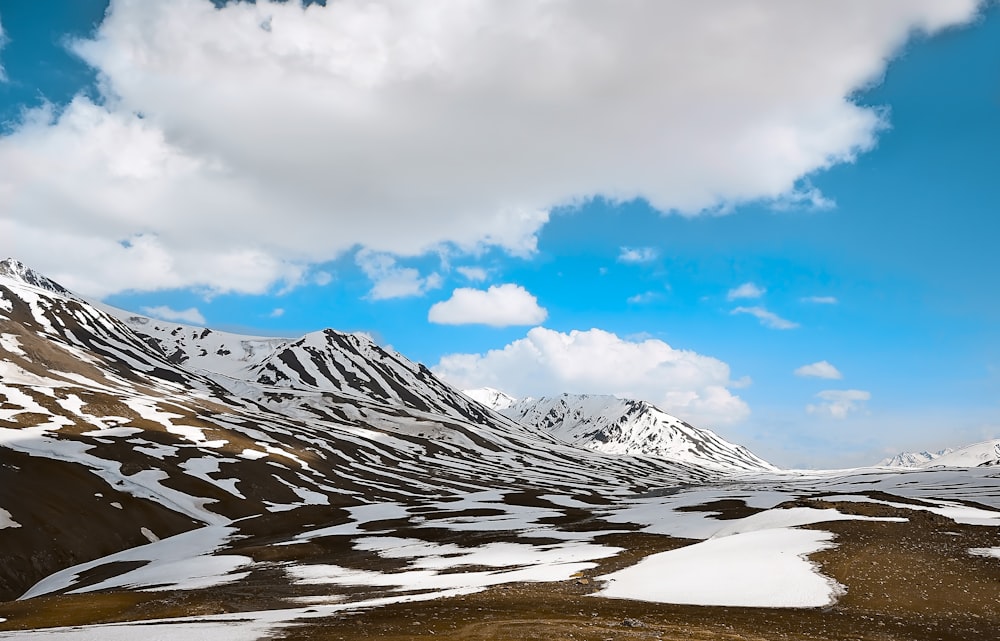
<point>984,454</point>
<point>912,459</point>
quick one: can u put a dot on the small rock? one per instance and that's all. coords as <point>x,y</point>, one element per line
<point>631,623</point>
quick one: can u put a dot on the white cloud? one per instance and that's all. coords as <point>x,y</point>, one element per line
<point>498,306</point>
<point>638,254</point>
<point>389,280</point>
<point>547,362</point>
<point>746,290</point>
<point>807,197</point>
<point>277,312</point>
<point>322,278</point>
<point>766,318</point>
<point>191,315</point>
<point>820,369</point>
<point>839,403</point>
<point>400,126</point>
<point>820,300</point>
<point>475,274</point>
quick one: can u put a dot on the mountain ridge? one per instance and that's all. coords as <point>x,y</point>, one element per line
<point>14,270</point>
<point>620,426</point>
<point>981,454</point>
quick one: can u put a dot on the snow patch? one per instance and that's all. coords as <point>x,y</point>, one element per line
<point>764,569</point>
<point>238,630</point>
<point>10,342</point>
<point>182,562</point>
<point>431,563</point>
<point>6,520</point>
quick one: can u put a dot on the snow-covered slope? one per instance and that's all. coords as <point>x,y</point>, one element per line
<point>491,398</point>
<point>622,426</point>
<point>15,271</point>
<point>149,429</point>
<point>327,360</point>
<point>912,459</point>
<point>984,454</point>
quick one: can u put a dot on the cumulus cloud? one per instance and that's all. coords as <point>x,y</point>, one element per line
<point>293,134</point>
<point>766,318</point>
<point>820,369</point>
<point>839,403</point>
<point>190,315</point>
<point>746,290</point>
<point>546,362</point>
<point>498,306</point>
<point>637,254</point>
<point>820,300</point>
<point>277,312</point>
<point>389,280</point>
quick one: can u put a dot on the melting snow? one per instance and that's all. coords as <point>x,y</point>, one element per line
<point>6,520</point>
<point>10,343</point>
<point>764,568</point>
<point>236,630</point>
<point>756,561</point>
<point>181,562</point>
<point>432,562</point>
<point>957,512</point>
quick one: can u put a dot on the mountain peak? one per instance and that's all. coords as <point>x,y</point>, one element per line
<point>491,398</point>
<point>633,427</point>
<point>15,270</point>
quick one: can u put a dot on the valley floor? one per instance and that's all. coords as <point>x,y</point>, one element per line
<point>899,567</point>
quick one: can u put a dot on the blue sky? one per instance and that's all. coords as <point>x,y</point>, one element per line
<point>613,221</point>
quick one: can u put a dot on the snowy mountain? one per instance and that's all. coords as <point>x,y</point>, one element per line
<point>912,459</point>
<point>491,398</point>
<point>326,361</point>
<point>984,454</point>
<point>150,429</point>
<point>172,482</point>
<point>624,427</point>
<point>15,271</point>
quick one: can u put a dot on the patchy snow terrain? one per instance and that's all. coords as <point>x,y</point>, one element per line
<point>230,487</point>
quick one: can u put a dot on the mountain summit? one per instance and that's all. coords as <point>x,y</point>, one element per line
<point>14,270</point>
<point>623,427</point>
